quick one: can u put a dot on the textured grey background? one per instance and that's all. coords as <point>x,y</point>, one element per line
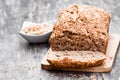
<point>20,60</point>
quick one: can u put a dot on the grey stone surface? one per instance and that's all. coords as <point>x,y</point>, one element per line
<point>20,60</point>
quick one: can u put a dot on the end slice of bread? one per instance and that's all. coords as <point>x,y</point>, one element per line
<point>75,59</point>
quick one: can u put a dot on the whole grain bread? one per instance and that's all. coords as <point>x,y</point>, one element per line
<point>75,59</point>
<point>81,27</point>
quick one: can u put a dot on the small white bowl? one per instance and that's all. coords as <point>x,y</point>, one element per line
<point>36,38</point>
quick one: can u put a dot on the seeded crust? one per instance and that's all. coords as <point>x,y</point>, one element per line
<point>75,59</point>
<point>81,27</point>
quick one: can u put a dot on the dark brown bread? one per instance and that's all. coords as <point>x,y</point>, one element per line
<point>75,59</point>
<point>81,27</point>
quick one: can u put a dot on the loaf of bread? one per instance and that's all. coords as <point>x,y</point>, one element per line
<point>75,59</point>
<point>81,27</point>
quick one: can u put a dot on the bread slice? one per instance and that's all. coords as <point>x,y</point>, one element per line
<point>75,59</point>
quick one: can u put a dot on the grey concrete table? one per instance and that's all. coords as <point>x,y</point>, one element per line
<point>20,60</point>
